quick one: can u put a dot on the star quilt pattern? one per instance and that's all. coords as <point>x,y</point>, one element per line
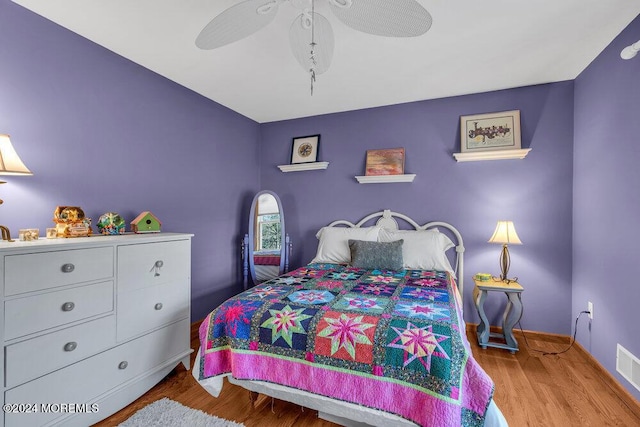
<point>389,340</point>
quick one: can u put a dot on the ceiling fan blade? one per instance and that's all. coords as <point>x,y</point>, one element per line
<point>389,18</point>
<point>237,22</point>
<point>300,40</point>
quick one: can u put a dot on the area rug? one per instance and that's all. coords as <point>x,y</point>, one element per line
<point>168,413</point>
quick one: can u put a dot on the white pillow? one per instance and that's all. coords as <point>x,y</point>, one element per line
<point>422,249</point>
<point>334,242</point>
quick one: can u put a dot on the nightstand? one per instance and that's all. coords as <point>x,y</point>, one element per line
<point>512,313</point>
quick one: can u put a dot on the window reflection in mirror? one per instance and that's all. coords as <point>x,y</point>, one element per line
<point>268,230</point>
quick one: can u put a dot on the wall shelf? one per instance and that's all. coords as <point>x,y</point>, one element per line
<point>380,179</point>
<point>492,155</point>
<point>303,167</point>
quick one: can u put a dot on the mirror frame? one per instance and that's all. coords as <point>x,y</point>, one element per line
<point>250,239</point>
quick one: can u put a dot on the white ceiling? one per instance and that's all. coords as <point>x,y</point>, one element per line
<point>473,46</point>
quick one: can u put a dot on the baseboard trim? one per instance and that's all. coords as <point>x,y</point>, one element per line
<point>612,382</point>
<point>554,338</point>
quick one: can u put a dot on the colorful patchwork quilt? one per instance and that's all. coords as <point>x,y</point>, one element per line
<point>388,340</point>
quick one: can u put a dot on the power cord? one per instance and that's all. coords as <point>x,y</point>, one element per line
<point>573,340</point>
<point>547,353</point>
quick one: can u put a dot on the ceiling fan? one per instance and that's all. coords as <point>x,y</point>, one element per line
<point>311,35</point>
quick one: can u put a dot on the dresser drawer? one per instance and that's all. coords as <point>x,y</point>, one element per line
<point>144,309</point>
<point>26,315</point>
<point>149,264</point>
<point>38,356</point>
<point>38,271</point>
<point>88,379</point>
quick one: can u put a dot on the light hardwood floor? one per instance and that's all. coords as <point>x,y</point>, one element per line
<point>531,390</point>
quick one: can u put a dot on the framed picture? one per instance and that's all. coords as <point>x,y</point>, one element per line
<point>305,149</point>
<point>490,132</point>
<point>389,161</point>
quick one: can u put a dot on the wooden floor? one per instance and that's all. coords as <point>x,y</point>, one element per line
<point>531,390</point>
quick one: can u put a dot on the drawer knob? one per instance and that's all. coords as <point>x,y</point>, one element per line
<point>159,263</point>
<point>158,306</point>
<point>68,306</point>
<point>68,268</point>
<point>70,346</point>
<point>123,364</point>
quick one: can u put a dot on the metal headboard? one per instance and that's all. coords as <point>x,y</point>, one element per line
<point>387,219</point>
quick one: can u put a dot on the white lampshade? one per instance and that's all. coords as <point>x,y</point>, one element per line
<point>505,233</point>
<point>10,163</point>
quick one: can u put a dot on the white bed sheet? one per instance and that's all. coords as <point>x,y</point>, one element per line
<point>339,412</point>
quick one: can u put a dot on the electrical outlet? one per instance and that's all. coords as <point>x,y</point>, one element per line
<point>590,309</point>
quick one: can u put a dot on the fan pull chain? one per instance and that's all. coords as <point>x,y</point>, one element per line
<point>313,45</point>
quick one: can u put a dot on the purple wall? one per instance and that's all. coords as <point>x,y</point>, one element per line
<point>607,202</point>
<point>536,193</point>
<point>103,133</point>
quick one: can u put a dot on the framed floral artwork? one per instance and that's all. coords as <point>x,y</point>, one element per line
<point>490,132</point>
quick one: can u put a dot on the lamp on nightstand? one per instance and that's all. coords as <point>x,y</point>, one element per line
<point>505,234</point>
<point>10,164</point>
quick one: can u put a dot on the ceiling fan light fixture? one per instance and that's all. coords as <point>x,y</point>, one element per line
<point>311,35</point>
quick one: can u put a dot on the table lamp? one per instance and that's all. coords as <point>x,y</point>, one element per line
<point>505,234</point>
<point>10,164</point>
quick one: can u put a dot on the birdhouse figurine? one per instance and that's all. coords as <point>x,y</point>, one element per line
<point>146,222</point>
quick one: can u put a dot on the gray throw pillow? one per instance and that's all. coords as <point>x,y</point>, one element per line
<point>376,255</point>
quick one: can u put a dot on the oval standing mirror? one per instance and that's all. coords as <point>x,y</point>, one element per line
<point>266,246</point>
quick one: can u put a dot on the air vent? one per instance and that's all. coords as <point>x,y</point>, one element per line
<point>628,366</point>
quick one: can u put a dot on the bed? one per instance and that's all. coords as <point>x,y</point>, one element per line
<point>370,332</point>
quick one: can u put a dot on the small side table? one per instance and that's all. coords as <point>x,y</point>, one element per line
<point>512,313</point>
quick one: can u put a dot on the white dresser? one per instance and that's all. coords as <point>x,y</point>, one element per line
<point>90,324</point>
